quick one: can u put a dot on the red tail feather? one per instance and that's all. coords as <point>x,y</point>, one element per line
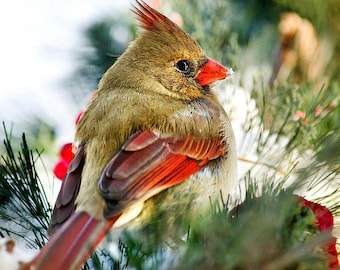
<point>72,244</point>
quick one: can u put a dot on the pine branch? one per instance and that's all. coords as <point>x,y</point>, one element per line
<point>25,209</point>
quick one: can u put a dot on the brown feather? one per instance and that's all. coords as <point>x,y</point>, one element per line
<point>65,203</point>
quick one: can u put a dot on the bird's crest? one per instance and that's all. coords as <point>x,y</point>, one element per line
<point>151,19</point>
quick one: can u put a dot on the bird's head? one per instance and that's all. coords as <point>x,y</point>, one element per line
<point>168,55</point>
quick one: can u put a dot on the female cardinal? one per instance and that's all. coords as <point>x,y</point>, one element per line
<point>154,136</point>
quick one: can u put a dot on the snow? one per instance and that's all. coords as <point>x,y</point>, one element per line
<point>12,254</point>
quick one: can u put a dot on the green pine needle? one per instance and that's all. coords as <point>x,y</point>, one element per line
<point>24,210</point>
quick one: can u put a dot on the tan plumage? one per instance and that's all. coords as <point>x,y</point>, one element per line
<point>143,91</point>
<point>154,136</point>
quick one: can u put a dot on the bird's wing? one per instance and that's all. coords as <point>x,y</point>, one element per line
<point>150,162</point>
<point>64,205</point>
<point>147,163</point>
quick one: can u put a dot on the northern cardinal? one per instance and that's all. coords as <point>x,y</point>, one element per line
<point>154,133</point>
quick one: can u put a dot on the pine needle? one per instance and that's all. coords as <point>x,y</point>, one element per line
<point>24,210</point>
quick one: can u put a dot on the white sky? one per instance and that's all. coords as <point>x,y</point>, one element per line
<point>38,40</point>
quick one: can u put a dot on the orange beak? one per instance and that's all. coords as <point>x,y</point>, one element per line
<point>212,71</point>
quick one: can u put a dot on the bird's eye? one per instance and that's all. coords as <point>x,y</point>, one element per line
<point>183,66</point>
